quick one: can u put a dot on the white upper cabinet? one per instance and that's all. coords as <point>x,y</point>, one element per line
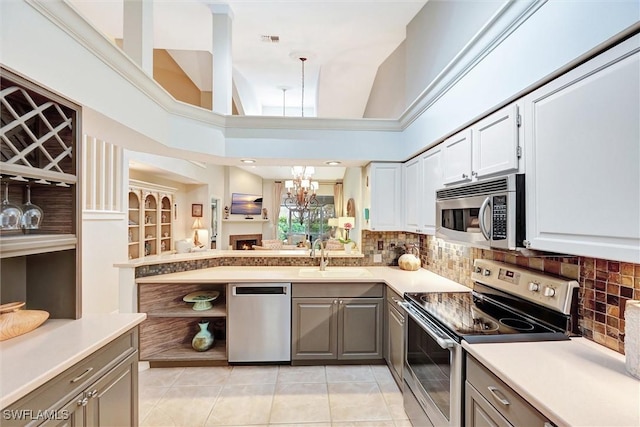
<point>385,189</point>
<point>495,143</point>
<point>412,190</point>
<point>457,158</point>
<point>431,182</point>
<point>487,148</point>
<point>583,158</point>
<point>422,176</point>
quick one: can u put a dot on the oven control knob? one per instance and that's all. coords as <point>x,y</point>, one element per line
<point>549,292</point>
<point>478,269</point>
<point>534,287</point>
<point>486,272</point>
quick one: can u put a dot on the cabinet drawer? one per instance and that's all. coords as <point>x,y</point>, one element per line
<point>509,403</point>
<point>337,290</point>
<point>59,390</point>
<point>393,297</point>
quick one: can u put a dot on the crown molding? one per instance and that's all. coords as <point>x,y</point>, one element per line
<point>502,24</point>
<point>311,123</point>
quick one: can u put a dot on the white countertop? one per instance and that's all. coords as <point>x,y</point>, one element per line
<point>218,253</point>
<point>32,359</point>
<point>400,281</point>
<point>574,383</point>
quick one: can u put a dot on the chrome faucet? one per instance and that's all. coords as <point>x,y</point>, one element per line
<point>323,261</point>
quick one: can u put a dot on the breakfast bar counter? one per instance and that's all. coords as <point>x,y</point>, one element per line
<point>400,281</point>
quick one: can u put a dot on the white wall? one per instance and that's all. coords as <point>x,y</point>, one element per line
<point>238,180</point>
<point>436,34</point>
<point>104,241</point>
<point>352,187</point>
<point>387,98</point>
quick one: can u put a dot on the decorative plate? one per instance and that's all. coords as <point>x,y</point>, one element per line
<point>202,299</point>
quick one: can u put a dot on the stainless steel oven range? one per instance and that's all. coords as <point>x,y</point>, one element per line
<point>507,304</point>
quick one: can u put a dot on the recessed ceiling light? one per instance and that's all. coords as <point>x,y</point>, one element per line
<point>332,163</point>
<point>248,161</point>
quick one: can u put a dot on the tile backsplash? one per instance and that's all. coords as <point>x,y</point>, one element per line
<point>605,286</point>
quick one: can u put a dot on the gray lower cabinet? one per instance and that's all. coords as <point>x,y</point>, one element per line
<point>314,328</point>
<point>394,349</point>
<point>489,402</point>
<point>100,390</point>
<point>345,326</point>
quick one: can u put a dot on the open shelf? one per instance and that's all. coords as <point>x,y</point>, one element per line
<point>171,324</point>
<point>31,244</point>
<point>218,310</point>
<point>185,352</point>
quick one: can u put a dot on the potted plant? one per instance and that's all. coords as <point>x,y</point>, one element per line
<point>348,243</point>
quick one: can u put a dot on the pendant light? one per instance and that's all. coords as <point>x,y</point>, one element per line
<point>302,60</point>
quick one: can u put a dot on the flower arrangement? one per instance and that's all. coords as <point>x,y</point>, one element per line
<point>347,226</point>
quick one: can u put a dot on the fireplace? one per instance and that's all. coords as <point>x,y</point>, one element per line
<point>244,241</point>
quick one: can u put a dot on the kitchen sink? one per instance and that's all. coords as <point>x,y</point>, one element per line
<point>335,272</point>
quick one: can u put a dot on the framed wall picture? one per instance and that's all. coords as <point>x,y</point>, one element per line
<point>196,210</point>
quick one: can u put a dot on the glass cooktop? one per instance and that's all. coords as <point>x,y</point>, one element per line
<point>476,319</point>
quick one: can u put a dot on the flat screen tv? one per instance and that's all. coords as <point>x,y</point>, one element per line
<point>246,204</point>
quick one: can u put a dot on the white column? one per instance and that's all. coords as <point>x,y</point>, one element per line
<point>138,33</point>
<point>222,59</point>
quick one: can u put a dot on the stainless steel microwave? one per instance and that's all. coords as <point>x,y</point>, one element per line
<point>487,213</point>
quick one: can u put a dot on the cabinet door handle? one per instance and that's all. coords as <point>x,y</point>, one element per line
<point>464,176</point>
<point>92,394</point>
<point>82,375</point>
<point>335,301</point>
<point>83,401</point>
<point>498,395</point>
<point>340,302</point>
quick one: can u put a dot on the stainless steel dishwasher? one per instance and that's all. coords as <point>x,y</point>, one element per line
<point>259,322</point>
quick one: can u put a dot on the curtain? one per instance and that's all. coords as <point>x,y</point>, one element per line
<point>338,199</point>
<point>275,206</point>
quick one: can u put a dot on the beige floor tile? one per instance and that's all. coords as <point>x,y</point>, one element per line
<point>159,377</point>
<point>357,401</point>
<point>183,406</point>
<point>210,375</point>
<point>393,398</point>
<point>253,375</point>
<point>403,423</point>
<point>148,397</point>
<point>349,373</point>
<point>382,374</point>
<point>300,403</point>
<point>302,374</point>
<point>242,405</point>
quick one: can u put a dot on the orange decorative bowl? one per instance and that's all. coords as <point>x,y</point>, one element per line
<point>15,321</point>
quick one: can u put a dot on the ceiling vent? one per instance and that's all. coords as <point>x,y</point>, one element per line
<point>270,39</point>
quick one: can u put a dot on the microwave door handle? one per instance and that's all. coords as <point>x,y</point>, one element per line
<point>486,233</point>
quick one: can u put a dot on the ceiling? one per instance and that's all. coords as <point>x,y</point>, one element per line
<point>345,43</point>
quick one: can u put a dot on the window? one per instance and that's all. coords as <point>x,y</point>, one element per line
<point>311,226</point>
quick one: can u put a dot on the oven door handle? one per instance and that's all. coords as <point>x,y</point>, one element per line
<point>429,327</point>
<point>483,228</point>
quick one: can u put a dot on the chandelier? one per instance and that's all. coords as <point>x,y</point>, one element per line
<point>301,191</point>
